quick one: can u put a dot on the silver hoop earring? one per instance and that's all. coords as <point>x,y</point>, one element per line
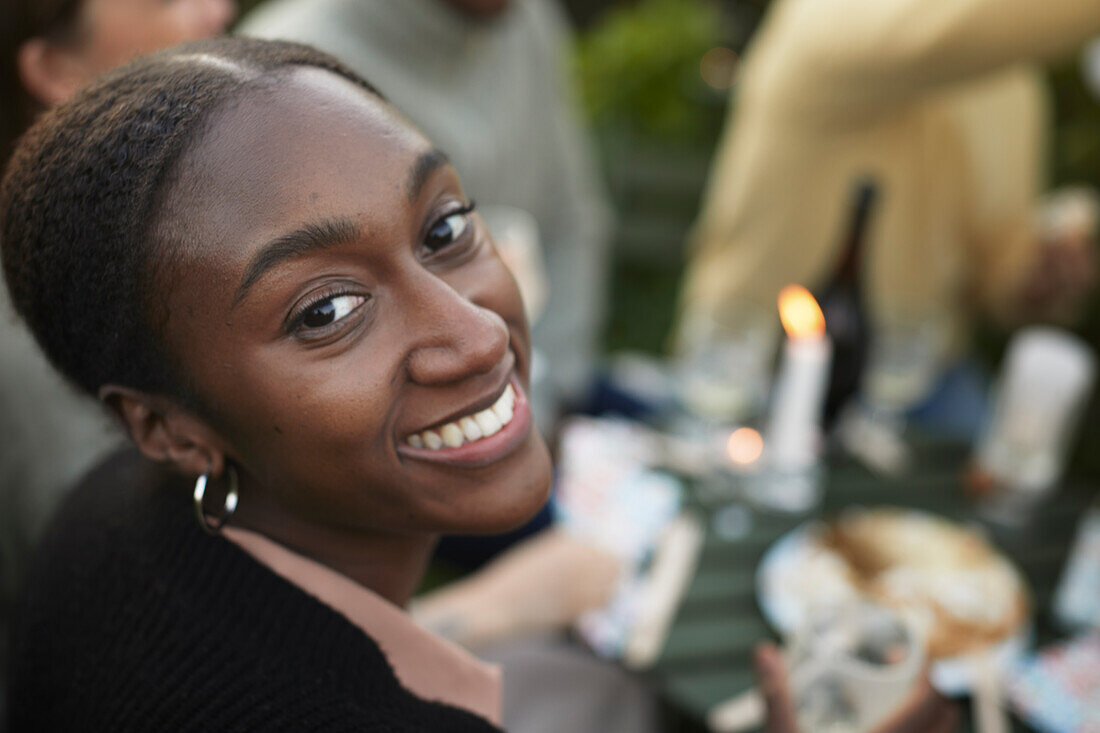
<point>231,498</point>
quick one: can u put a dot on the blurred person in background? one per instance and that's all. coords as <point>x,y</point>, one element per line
<point>943,104</point>
<point>52,434</point>
<point>54,47</point>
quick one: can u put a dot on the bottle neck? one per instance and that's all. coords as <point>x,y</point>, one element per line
<point>852,256</point>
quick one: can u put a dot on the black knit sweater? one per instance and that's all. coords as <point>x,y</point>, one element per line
<point>133,619</point>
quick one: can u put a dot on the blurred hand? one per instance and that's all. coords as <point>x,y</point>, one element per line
<point>1064,271</point>
<point>923,711</point>
<point>542,584</point>
<point>1063,275</point>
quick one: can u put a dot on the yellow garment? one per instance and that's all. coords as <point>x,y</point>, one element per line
<point>937,100</point>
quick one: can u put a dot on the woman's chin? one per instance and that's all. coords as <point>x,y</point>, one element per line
<point>512,500</point>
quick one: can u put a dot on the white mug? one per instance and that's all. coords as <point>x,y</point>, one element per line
<point>852,664</point>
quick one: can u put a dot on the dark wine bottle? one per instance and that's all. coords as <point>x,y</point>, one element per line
<point>841,300</point>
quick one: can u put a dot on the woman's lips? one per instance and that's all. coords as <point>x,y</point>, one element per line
<point>477,439</point>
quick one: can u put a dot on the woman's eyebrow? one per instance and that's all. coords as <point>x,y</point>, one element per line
<point>320,235</point>
<point>331,232</point>
<point>422,168</point>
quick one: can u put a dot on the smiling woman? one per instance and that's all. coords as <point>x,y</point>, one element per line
<point>279,286</point>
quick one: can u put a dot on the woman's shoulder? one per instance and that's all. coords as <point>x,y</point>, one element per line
<point>132,618</point>
<point>110,525</point>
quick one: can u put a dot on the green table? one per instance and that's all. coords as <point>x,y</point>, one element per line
<point>707,655</point>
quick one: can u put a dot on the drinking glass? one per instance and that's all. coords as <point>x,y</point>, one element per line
<point>904,362</point>
<point>905,358</point>
<point>724,362</point>
<point>851,665</point>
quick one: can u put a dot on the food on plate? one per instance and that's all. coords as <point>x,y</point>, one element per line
<point>950,575</point>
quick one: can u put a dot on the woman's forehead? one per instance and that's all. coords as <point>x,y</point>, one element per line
<point>308,143</point>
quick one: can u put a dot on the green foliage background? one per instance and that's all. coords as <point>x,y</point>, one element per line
<point>638,71</point>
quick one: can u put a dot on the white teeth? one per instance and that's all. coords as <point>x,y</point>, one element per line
<point>489,423</point>
<point>452,435</point>
<point>503,411</point>
<point>470,428</point>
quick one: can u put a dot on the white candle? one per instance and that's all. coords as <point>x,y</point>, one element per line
<point>794,424</point>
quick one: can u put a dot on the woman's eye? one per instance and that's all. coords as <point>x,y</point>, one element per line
<point>330,310</point>
<point>447,230</point>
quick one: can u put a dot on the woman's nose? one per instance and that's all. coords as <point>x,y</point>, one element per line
<point>456,338</point>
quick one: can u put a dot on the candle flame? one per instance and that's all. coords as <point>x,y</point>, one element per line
<point>744,446</point>
<point>800,313</point>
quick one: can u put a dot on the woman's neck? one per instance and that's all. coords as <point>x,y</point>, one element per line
<point>390,564</point>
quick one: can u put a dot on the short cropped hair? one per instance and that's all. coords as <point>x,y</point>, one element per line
<point>80,198</point>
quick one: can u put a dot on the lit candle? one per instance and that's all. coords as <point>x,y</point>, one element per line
<point>794,424</point>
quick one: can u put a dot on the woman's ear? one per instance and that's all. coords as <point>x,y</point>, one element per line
<point>49,72</point>
<point>166,432</point>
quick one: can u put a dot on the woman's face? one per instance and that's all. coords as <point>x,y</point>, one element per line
<point>333,301</point>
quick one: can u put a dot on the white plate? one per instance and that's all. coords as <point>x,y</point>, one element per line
<point>953,676</point>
